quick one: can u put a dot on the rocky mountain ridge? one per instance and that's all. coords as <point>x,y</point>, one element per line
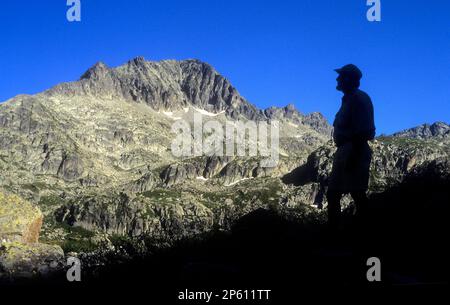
<point>173,85</point>
<point>437,130</point>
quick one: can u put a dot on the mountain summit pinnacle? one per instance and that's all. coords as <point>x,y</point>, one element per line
<point>96,71</point>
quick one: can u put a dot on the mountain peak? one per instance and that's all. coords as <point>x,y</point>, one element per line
<point>426,131</point>
<point>289,112</point>
<point>137,61</point>
<point>167,84</point>
<point>315,120</point>
<point>198,66</point>
<point>98,70</point>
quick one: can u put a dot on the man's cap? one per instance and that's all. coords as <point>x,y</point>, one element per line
<point>350,70</point>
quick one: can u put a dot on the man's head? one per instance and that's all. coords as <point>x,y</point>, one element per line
<point>349,77</point>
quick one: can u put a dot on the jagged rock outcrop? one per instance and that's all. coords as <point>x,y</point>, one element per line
<point>144,183</point>
<point>318,122</point>
<point>314,120</point>
<point>239,170</point>
<point>426,131</point>
<point>227,170</point>
<point>120,214</point>
<point>222,169</point>
<point>71,167</point>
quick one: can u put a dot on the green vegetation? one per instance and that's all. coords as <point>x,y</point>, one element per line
<point>409,142</point>
<point>70,238</point>
<point>75,239</point>
<point>213,198</point>
<point>50,200</point>
<point>78,245</point>
<point>162,196</point>
<point>267,192</point>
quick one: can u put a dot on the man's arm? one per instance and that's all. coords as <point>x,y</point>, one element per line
<point>363,126</point>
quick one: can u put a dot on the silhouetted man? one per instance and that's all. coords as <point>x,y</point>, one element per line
<point>353,127</point>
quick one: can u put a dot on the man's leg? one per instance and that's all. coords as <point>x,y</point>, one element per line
<point>362,227</point>
<point>361,202</point>
<point>334,208</point>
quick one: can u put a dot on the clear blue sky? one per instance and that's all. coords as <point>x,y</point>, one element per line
<point>274,52</point>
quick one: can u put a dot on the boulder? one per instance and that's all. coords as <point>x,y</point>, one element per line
<point>19,260</point>
<point>20,221</point>
<point>20,253</point>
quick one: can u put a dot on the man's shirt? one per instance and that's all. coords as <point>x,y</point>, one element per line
<point>354,121</point>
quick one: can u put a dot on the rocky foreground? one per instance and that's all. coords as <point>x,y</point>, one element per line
<point>21,255</point>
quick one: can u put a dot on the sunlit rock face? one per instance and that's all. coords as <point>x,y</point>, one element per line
<point>21,255</point>
<point>20,221</point>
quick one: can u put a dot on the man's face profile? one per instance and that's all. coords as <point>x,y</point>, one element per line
<point>340,82</point>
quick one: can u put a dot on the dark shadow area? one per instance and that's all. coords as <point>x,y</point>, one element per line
<point>303,174</point>
<point>407,229</point>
